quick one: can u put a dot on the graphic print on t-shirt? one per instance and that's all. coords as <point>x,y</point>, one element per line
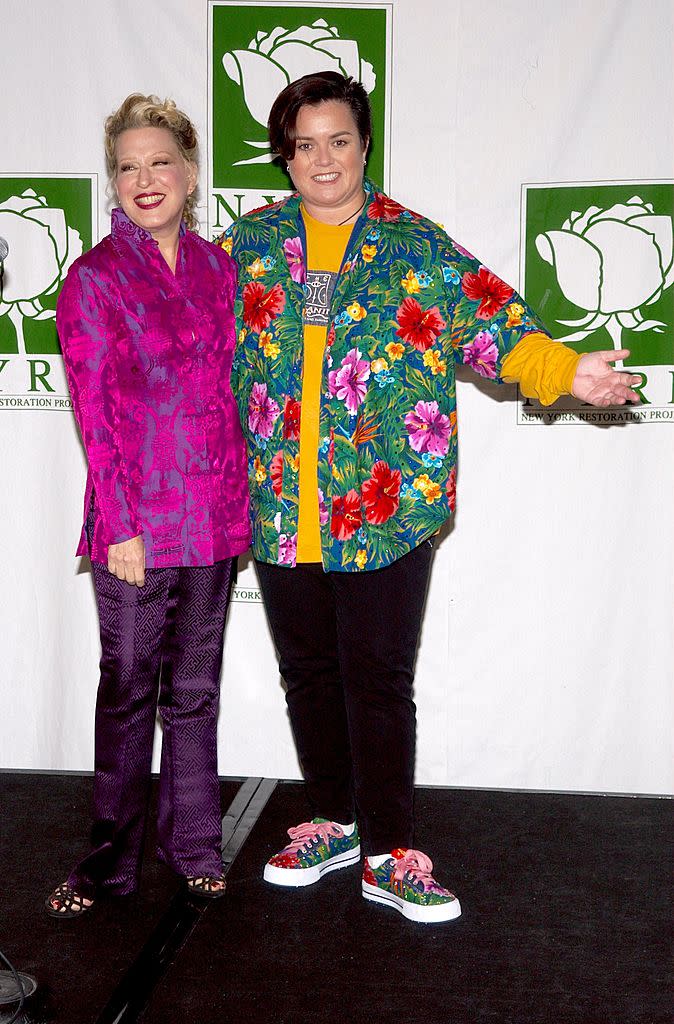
<point>320,284</point>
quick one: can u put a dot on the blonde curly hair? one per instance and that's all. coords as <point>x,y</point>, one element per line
<point>139,111</point>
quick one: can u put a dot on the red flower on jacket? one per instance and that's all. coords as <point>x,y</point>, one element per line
<point>417,326</point>
<point>450,489</point>
<point>260,307</point>
<point>381,493</point>
<point>276,474</point>
<point>384,208</point>
<point>291,419</point>
<point>347,516</point>
<point>485,287</point>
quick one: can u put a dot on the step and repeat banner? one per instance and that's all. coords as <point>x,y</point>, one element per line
<point>541,140</point>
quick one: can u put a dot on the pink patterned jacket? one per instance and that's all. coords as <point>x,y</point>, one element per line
<point>148,357</point>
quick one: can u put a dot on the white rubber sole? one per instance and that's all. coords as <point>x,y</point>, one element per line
<point>296,877</point>
<point>433,914</point>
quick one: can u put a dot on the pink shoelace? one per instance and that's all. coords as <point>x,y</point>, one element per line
<point>419,867</point>
<point>309,831</point>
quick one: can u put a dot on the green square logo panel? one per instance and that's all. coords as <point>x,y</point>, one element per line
<point>257,49</point>
<point>597,265</point>
<point>47,223</point>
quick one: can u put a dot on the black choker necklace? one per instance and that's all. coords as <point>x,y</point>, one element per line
<point>354,214</point>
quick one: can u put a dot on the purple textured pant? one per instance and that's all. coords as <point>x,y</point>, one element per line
<point>161,646</point>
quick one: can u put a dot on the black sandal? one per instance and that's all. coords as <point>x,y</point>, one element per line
<point>211,887</point>
<point>70,901</point>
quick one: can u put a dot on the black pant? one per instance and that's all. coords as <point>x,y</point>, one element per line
<point>347,644</point>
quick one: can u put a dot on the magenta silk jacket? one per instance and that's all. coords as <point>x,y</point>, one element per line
<point>148,357</point>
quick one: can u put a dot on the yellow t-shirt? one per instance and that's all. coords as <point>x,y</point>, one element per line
<point>326,245</point>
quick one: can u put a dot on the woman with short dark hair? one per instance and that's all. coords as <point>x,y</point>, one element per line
<point>352,312</point>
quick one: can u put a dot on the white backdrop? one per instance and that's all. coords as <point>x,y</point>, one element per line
<point>546,655</point>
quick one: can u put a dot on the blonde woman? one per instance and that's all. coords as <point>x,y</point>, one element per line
<point>146,325</point>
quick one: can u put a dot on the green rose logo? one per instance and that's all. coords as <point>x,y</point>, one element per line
<point>611,262</point>
<point>274,59</point>
<point>42,247</point>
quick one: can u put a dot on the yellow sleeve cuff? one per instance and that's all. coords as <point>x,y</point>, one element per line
<point>543,368</point>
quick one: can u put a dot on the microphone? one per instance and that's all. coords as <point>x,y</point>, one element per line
<point>4,250</point>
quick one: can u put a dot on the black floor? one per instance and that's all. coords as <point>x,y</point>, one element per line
<point>566,919</point>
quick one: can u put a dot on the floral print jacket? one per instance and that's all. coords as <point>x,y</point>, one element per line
<point>408,304</point>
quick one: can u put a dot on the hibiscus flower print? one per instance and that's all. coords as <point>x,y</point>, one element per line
<point>260,307</point>
<point>491,292</point>
<point>263,411</point>
<point>287,549</point>
<point>381,493</point>
<point>292,248</point>
<point>429,429</point>
<point>276,473</point>
<point>419,327</point>
<point>349,382</point>
<point>481,354</point>
<point>450,489</point>
<point>291,419</point>
<point>384,208</point>
<point>347,516</point>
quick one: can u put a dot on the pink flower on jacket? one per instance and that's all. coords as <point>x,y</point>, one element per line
<point>292,248</point>
<point>429,429</point>
<point>349,382</point>
<point>323,514</point>
<point>263,411</point>
<point>287,549</point>
<point>481,354</point>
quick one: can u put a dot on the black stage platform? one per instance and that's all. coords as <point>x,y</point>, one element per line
<point>566,918</point>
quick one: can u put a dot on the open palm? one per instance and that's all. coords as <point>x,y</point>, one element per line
<point>599,383</point>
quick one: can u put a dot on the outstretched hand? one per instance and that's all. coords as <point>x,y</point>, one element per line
<point>599,383</point>
<point>126,561</point>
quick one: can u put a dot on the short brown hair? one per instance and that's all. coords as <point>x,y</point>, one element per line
<point>312,90</point>
<point>139,111</point>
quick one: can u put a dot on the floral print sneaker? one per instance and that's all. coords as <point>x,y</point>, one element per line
<point>315,848</point>
<point>405,882</point>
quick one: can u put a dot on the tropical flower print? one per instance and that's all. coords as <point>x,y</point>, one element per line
<point>263,411</point>
<point>429,489</point>
<point>356,311</point>
<point>410,283</point>
<point>287,549</point>
<point>346,515</point>
<point>260,307</point>
<point>450,489</point>
<point>323,514</point>
<point>292,248</point>
<point>489,289</point>
<point>419,327</point>
<point>381,493</point>
<point>435,364</point>
<point>413,306</point>
<point>481,354</point>
<point>256,268</point>
<point>349,383</point>
<point>384,208</point>
<point>429,429</point>
<point>515,313</point>
<point>394,350</point>
<point>361,558</point>
<point>291,419</point>
<point>276,473</point>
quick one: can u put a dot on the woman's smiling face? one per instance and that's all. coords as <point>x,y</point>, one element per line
<point>329,162</point>
<point>153,179</point>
